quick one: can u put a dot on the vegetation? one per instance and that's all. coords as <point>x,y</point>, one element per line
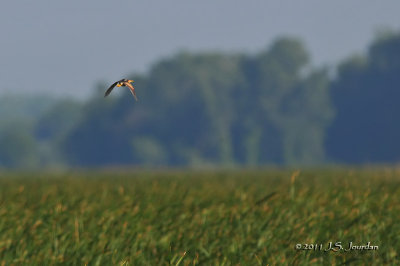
<point>269,108</point>
<point>212,109</point>
<point>365,95</point>
<point>207,218</point>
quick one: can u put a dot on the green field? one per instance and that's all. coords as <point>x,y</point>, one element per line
<point>200,218</point>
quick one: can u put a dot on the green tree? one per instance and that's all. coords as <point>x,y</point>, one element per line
<point>198,97</point>
<point>210,109</point>
<point>58,119</point>
<point>289,110</point>
<point>365,94</point>
<point>18,147</point>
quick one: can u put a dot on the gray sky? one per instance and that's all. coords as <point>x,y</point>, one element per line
<point>68,46</point>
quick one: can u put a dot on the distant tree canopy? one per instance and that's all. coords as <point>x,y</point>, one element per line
<point>18,147</point>
<point>366,97</point>
<point>213,109</point>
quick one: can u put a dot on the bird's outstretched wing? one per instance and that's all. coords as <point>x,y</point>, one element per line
<point>108,91</point>
<point>132,89</point>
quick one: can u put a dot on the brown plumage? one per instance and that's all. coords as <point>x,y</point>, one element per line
<point>122,83</point>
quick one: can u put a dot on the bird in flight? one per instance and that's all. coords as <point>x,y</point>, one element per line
<point>122,83</point>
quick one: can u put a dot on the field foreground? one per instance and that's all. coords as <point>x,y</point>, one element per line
<point>205,218</point>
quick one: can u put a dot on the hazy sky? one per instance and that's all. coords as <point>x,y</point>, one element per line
<point>68,46</point>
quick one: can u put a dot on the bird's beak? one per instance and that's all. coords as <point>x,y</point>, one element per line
<point>131,81</point>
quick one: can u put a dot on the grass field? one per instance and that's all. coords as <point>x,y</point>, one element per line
<point>200,218</point>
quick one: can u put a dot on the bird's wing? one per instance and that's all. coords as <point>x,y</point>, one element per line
<point>132,89</point>
<point>108,91</point>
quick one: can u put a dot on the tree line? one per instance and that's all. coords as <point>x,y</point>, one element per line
<point>215,109</point>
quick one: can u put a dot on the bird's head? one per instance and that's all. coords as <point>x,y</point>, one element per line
<point>130,80</point>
